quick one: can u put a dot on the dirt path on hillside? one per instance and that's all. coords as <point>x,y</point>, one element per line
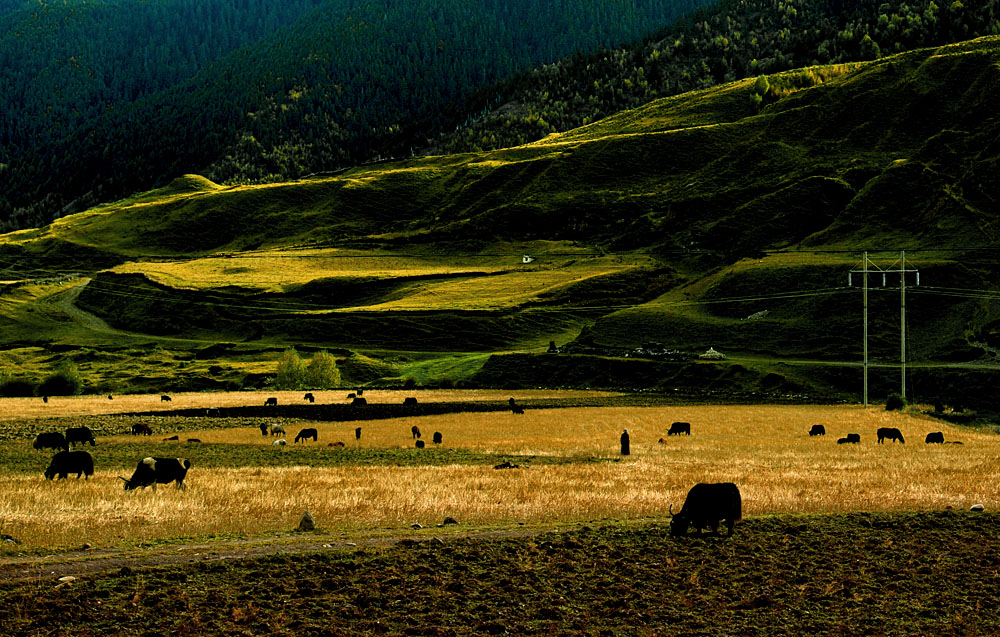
<point>80,563</point>
<point>65,300</point>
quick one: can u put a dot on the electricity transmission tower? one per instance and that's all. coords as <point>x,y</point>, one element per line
<point>888,277</point>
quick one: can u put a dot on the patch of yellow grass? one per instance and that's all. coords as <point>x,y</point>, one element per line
<point>504,281</point>
<point>96,405</point>
<point>765,450</point>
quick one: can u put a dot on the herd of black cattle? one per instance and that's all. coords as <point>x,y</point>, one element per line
<point>149,472</point>
<point>705,507</point>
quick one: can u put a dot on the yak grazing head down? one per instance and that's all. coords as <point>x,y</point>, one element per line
<point>679,522</point>
<point>153,471</point>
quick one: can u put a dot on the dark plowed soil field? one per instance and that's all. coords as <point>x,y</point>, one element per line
<point>858,574</point>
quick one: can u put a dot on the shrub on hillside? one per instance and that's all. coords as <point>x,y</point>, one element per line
<point>16,388</point>
<point>66,381</point>
<point>322,372</point>
<point>895,402</point>
<point>291,371</point>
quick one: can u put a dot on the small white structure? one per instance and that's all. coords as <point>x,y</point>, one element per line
<point>527,258</point>
<point>712,355</point>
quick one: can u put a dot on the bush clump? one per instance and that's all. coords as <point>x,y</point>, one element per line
<point>16,388</point>
<point>320,373</point>
<point>895,402</point>
<point>66,381</point>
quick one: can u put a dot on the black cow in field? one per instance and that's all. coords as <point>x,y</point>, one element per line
<point>263,428</point>
<point>153,471</point>
<point>81,435</point>
<point>817,430</point>
<point>352,396</point>
<point>415,431</point>
<point>309,432</point>
<point>271,402</point>
<point>935,437</point>
<point>50,440</point>
<point>891,433</point>
<point>141,429</point>
<point>707,505</point>
<point>517,409</point>
<point>164,398</point>
<point>67,462</point>
<point>420,444</point>
<point>359,401</point>
<point>309,397</point>
<point>851,438</point>
<point>437,437</point>
<point>679,428</point>
<point>410,401</point>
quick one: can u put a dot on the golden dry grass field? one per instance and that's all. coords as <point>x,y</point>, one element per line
<point>91,405</point>
<point>577,474</point>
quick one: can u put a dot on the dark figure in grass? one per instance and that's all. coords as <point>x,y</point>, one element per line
<point>625,443</point>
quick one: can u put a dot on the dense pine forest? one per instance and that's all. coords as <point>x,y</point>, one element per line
<point>101,98</point>
<point>732,40</point>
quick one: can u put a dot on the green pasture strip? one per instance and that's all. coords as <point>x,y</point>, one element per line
<point>927,573</point>
<point>119,456</point>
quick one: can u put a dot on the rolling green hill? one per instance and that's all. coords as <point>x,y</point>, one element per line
<point>726,218</point>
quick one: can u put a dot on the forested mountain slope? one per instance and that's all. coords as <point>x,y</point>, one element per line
<point>825,155</point>
<point>728,41</point>
<point>101,98</point>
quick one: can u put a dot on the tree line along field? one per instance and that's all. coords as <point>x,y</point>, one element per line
<point>569,470</point>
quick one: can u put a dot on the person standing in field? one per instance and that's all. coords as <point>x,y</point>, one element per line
<point>625,443</point>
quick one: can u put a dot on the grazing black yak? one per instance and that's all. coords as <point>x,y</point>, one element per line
<point>308,432</point>
<point>891,433</point>
<point>679,428</point>
<point>50,440</point>
<point>81,435</point>
<point>153,471</point>
<point>67,462</point>
<point>707,505</point>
